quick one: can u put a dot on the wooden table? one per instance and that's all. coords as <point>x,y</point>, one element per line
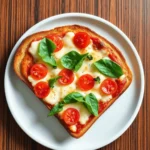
<point>131,16</point>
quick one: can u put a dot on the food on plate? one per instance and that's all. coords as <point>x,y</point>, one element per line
<point>75,72</point>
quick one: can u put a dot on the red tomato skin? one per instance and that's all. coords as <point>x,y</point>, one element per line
<point>71,116</point>
<point>108,86</point>
<point>41,89</point>
<point>81,126</point>
<point>114,58</point>
<point>85,82</point>
<point>38,71</point>
<point>97,44</point>
<point>120,84</point>
<point>67,77</point>
<point>102,106</point>
<point>81,40</point>
<point>57,40</point>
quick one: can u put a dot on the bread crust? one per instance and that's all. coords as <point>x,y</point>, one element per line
<point>23,60</point>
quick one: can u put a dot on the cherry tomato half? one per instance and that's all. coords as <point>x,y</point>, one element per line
<point>81,40</point>
<point>38,71</point>
<point>67,77</point>
<point>71,116</point>
<point>114,58</point>
<point>120,84</point>
<point>97,44</point>
<point>41,89</point>
<point>108,86</point>
<point>85,82</point>
<point>57,40</point>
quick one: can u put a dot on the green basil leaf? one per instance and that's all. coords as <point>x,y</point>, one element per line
<point>53,80</point>
<point>56,109</point>
<point>108,68</point>
<point>45,50</point>
<point>90,57</point>
<point>50,60</point>
<point>97,79</point>
<point>92,104</point>
<point>73,97</point>
<point>79,64</point>
<point>46,47</point>
<point>73,60</point>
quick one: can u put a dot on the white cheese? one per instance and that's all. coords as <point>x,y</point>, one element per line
<point>89,48</point>
<point>68,40</point>
<point>84,113</point>
<point>59,92</point>
<point>73,128</point>
<point>122,77</point>
<point>34,82</point>
<point>33,49</point>
<point>54,96</point>
<point>106,98</point>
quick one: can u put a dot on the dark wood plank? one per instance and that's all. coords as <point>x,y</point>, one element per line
<point>131,16</point>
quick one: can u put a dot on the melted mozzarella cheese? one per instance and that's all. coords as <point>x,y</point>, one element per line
<point>34,48</point>
<point>122,77</point>
<point>73,128</point>
<point>34,82</point>
<point>53,97</point>
<point>84,113</point>
<point>59,92</point>
<point>106,98</point>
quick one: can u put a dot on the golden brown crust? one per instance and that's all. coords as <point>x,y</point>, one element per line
<point>23,60</point>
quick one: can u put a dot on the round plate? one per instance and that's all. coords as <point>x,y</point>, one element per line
<point>31,115</point>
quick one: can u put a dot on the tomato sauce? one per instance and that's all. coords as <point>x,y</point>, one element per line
<point>81,126</point>
<point>121,84</point>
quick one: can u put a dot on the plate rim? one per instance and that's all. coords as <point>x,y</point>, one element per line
<point>97,18</point>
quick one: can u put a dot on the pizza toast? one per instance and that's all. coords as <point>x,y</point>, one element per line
<point>96,53</point>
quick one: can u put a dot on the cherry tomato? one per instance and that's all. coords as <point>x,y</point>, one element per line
<point>67,77</point>
<point>120,84</point>
<point>85,82</point>
<point>71,116</point>
<point>97,44</point>
<point>41,89</point>
<point>38,71</point>
<point>57,40</point>
<point>108,86</point>
<point>114,58</point>
<point>102,106</point>
<point>81,40</point>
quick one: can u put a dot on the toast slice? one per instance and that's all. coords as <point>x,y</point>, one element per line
<point>24,59</point>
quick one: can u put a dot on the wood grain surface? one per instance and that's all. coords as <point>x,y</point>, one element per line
<point>131,16</point>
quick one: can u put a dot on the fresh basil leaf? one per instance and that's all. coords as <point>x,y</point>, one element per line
<point>92,104</point>
<point>97,79</point>
<point>73,60</point>
<point>73,97</point>
<point>46,47</point>
<point>45,50</point>
<point>53,80</point>
<point>108,68</point>
<point>90,57</point>
<point>56,109</point>
<point>50,60</point>
<point>79,64</point>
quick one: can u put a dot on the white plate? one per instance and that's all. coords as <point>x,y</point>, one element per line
<point>31,114</point>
